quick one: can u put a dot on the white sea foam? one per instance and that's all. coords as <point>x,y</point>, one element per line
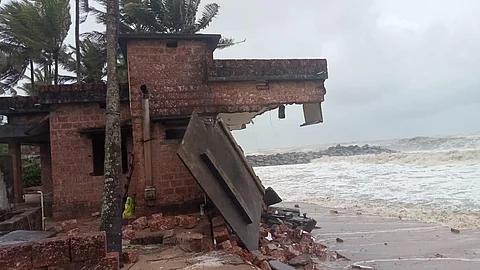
<point>440,187</point>
<point>411,158</point>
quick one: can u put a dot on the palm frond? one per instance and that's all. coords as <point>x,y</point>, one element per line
<point>84,7</point>
<point>209,13</point>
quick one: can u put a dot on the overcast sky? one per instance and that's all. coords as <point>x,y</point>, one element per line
<point>396,68</point>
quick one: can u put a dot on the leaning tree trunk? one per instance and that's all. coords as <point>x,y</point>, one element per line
<point>32,78</point>
<point>55,56</point>
<point>111,219</point>
<point>77,39</point>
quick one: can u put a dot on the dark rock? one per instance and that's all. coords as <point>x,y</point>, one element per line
<point>306,157</point>
<point>300,260</point>
<point>278,265</point>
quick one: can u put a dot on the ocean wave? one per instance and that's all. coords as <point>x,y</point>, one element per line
<point>432,214</point>
<point>419,143</point>
<point>467,142</point>
<point>409,158</point>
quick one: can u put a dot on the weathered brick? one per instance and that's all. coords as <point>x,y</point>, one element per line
<point>221,234</point>
<point>227,245</point>
<point>128,234</point>
<point>130,256</point>
<point>187,222</point>
<point>218,221</point>
<point>16,256</point>
<point>53,251</point>
<point>109,262</point>
<point>157,216</point>
<point>140,223</point>
<point>165,223</point>
<point>88,246</point>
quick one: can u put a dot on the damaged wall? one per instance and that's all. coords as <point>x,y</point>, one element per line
<point>181,76</point>
<point>75,189</point>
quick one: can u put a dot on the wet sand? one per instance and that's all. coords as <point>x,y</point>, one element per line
<point>391,243</point>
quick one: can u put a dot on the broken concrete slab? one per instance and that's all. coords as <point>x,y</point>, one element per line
<point>211,154</point>
<point>271,197</point>
<point>24,236</point>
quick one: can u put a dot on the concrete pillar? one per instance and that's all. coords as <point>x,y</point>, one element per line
<point>47,181</point>
<point>14,149</point>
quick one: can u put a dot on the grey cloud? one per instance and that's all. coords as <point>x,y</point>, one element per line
<point>397,68</point>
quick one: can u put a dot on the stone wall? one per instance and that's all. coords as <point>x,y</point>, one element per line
<point>83,251</point>
<point>305,157</point>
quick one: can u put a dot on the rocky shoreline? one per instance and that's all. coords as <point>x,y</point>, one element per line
<point>306,157</point>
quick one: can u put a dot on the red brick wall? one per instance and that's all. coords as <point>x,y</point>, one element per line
<point>83,251</point>
<point>244,96</point>
<point>173,180</point>
<point>173,76</point>
<point>75,190</point>
<point>178,80</point>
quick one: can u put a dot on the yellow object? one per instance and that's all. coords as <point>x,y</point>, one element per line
<point>129,208</point>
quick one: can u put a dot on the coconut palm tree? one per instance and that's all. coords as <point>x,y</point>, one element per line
<point>163,16</point>
<point>41,79</point>
<point>32,32</point>
<point>17,52</point>
<point>111,217</point>
<point>93,61</point>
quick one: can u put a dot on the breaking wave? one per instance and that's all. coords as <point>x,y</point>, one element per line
<point>431,179</point>
<point>433,158</point>
<point>420,143</point>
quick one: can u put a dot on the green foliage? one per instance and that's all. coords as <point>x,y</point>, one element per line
<point>3,149</point>
<point>32,173</point>
<point>32,31</point>
<point>93,60</point>
<point>162,16</point>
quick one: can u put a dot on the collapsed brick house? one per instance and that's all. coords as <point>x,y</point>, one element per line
<point>170,76</point>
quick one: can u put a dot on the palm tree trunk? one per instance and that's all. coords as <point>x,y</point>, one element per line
<point>32,77</point>
<point>77,38</point>
<point>111,219</point>
<point>55,55</point>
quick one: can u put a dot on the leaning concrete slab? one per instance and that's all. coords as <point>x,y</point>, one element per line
<point>215,160</point>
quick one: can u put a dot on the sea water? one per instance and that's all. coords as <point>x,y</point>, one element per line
<point>432,179</point>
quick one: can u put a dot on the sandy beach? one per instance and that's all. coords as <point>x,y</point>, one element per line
<point>391,243</point>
